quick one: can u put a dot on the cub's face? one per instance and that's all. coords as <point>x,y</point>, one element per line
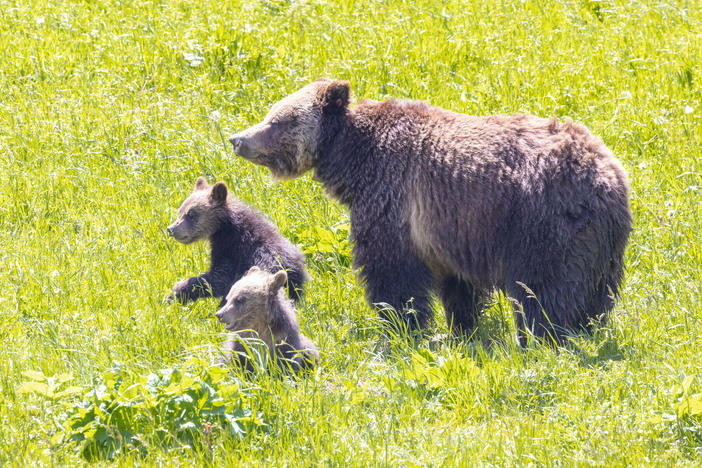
<point>286,142</point>
<point>198,216</point>
<point>248,301</point>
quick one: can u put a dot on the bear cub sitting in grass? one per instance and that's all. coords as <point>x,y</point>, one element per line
<point>239,238</point>
<point>257,307</point>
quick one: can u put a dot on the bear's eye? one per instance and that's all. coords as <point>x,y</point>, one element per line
<point>240,300</point>
<point>191,216</point>
<point>285,120</point>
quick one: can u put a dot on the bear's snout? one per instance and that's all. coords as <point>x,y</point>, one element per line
<point>241,145</point>
<point>220,315</point>
<point>236,142</point>
<point>251,143</point>
<point>226,318</point>
<point>181,233</point>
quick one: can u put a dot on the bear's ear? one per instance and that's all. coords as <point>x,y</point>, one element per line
<point>201,183</point>
<point>253,269</point>
<point>219,192</point>
<point>336,97</point>
<point>278,281</point>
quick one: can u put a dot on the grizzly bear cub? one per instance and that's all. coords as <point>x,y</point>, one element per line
<point>460,205</point>
<point>256,306</point>
<point>239,238</point>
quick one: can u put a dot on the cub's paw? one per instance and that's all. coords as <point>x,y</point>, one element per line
<point>180,292</point>
<point>170,299</point>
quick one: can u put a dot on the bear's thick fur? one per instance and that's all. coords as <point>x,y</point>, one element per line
<point>460,204</point>
<point>239,239</point>
<point>256,307</point>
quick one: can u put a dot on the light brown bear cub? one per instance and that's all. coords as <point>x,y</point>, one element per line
<point>258,307</point>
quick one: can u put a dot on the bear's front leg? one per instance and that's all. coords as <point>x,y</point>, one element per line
<point>398,278</point>
<point>463,303</point>
<point>191,289</point>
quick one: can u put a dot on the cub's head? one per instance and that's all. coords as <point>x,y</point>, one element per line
<point>286,142</point>
<point>249,301</point>
<point>199,216</point>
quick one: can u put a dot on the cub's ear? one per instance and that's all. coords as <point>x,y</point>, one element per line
<point>336,97</point>
<point>219,192</point>
<point>253,269</point>
<point>278,281</point>
<point>201,183</point>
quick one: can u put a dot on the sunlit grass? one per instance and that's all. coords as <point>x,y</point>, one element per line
<point>108,113</point>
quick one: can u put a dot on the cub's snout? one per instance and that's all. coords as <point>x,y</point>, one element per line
<point>235,140</point>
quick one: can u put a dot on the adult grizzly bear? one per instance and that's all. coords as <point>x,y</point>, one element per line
<point>460,204</point>
<point>239,238</point>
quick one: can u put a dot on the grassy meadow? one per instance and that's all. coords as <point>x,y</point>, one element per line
<point>110,110</point>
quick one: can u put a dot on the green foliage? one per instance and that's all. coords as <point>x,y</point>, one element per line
<point>47,387</point>
<point>432,375</point>
<point>688,404</point>
<point>169,408</point>
<point>110,110</point>
<point>683,416</point>
<point>327,246</point>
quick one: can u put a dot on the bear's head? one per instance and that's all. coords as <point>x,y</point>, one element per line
<point>200,214</point>
<point>250,302</point>
<point>287,140</point>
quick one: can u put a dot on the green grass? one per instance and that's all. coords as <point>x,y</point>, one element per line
<point>110,110</point>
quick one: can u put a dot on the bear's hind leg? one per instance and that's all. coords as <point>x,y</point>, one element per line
<point>462,305</point>
<point>547,312</point>
<point>602,300</point>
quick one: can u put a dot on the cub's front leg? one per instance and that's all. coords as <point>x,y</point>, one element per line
<point>191,289</point>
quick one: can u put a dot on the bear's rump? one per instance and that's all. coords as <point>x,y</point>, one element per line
<point>483,237</point>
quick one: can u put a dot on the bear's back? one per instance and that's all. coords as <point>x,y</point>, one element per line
<point>477,189</point>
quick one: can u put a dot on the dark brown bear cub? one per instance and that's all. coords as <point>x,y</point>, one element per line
<point>459,204</point>
<point>256,307</point>
<point>239,239</point>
